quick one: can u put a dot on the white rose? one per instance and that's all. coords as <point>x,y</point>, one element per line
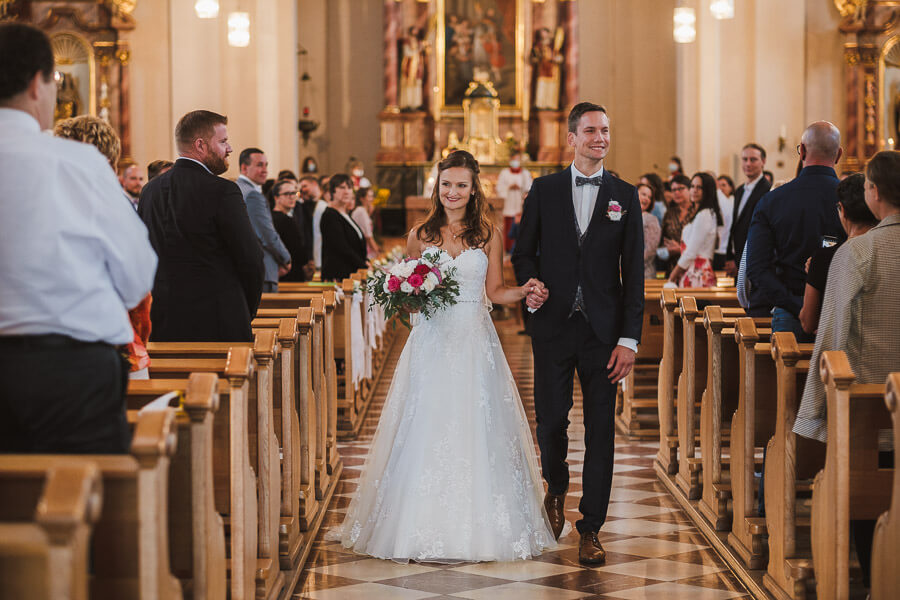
<point>430,283</point>
<point>433,279</point>
<point>406,288</point>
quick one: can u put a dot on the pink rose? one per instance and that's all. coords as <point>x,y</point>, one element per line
<point>421,270</point>
<point>394,284</point>
<point>437,273</point>
<point>415,280</point>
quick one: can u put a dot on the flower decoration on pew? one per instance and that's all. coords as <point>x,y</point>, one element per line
<point>424,285</point>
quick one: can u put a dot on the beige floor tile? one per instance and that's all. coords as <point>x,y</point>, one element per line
<point>372,569</point>
<point>640,527</point>
<point>675,591</point>
<point>521,570</point>
<point>663,570</point>
<point>650,547</point>
<point>521,591</point>
<point>628,495</point>
<point>366,591</point>
<point>629,510</point>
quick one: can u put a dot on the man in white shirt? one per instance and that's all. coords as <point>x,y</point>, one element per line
<point>513,184</point>
<point>311,194</point>
<point>753,161</point>
<point>73,259</point>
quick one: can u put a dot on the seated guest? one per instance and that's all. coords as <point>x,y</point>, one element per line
<point>211,270</point>
<point>157,168</point>
<point>861,314</point>
<point>343,243</point>
<point>285,195</point>
<point>362,216</point>
<point>698,239</point>
<point>74,258</point>
<point>856,219</point>
<point>95,131</point>
<point>788,226</point>
<point>652,230</point>
<point>276,258</point>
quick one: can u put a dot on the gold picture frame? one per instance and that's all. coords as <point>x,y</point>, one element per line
<point>452,84</point>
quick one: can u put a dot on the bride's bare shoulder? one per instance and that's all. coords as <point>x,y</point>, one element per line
<point>414,245</point>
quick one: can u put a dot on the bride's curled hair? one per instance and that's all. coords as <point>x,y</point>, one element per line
<point>477,222</point>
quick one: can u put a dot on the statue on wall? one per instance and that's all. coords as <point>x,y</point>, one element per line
<point>546,60</point>
<point>68,100</point>
<point>412,69</point>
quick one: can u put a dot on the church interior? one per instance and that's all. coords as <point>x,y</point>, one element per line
<point>231,491</point>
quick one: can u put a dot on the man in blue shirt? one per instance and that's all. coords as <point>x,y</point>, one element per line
<point>788,225</point>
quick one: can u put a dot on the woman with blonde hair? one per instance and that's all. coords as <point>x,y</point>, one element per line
<point>100,134</point>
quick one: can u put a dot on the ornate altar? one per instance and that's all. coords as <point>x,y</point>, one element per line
<point>91,48</point>
<point>871,31</point>
<point>480,64</point>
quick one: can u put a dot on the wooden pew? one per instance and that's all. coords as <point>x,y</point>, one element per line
<point>129,545</point>
<point>886,544</point>
<point>196,530</point>
<point>850,486</point>
<point>234,481</point>
<point>44,534</point>
<point>262,444</point>
<point>791,462</point>
<point>325,304</point>
<point>751,427</point>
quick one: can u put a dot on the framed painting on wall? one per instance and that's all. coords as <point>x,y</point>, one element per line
<point>480,40</point>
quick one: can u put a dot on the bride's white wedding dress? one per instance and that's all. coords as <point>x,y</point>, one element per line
<point>451,473</point>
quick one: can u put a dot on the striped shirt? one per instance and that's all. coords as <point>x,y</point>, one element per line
<point>860,315</point>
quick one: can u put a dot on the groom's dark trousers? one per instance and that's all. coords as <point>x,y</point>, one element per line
<point>576,349</point>
<point>606,264</point>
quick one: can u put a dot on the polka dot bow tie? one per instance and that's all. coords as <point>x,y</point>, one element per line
<point>580,181</point>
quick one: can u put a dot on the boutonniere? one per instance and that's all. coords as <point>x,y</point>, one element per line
<point>615,212</point>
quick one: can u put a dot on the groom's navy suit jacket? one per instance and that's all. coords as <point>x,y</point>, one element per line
<point>608,262</point>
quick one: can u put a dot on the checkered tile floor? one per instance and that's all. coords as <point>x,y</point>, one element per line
<point>653,551</point>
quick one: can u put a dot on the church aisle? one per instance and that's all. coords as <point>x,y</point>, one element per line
<point>653,551</point>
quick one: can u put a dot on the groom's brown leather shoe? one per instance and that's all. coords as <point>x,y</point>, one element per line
<point>590,552</point>
<point>556,512</point>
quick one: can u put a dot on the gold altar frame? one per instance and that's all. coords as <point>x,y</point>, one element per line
<point>91,52</point>
<point>441,55</point>
<point>884,105</point>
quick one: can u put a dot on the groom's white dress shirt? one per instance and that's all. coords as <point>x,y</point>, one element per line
<point>74,256</point>
<point>584,198</point>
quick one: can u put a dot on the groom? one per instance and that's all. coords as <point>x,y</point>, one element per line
<point>582,234</point>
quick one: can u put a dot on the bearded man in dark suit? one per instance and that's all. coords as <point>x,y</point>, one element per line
<point>581,233</point>
<point>210,273</point>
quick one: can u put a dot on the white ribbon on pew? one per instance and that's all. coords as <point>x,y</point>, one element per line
<point>357,340</point>
<point>160,404</point>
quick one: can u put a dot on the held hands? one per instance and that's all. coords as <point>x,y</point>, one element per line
<point>620,363</point>
<point>535,293</point>
<point>284,269</point>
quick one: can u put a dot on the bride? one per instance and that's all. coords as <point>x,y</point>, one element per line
<point>452,473</point>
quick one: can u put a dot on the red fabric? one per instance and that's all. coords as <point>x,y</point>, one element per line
<point>140,323</point>
<point>507,241</point>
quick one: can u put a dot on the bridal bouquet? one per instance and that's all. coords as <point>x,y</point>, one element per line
<point>423,285</point>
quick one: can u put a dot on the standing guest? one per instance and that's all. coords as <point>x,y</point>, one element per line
<point>254,168</point>
<point>677,216</point>
<point>343,244</point>
<point>286,174</point>
<point>753,160</point>
<point>285,194</point>
<point>326,191</point>
<point>362,216</point>
<point>314,205</point>
<point>158,167</point>
<point>861,315</point>
<point>698,238</point>
<point>725,194</point>
<point>788,227</point>
<point>513,184</point>
<point>309,166</point>
<point>358,174</point>
<point>659,202</point>
<point>652,230</point>
<point>675,168</point>
<point>74,258</point>
<point>132,181</point>
<point>93,130</point>
<point>770,177</point>
<point>856,219</point>
<point>211,270</point>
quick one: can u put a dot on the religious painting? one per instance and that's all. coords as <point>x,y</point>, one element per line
<point>74,76</point>
<point>480,40</point>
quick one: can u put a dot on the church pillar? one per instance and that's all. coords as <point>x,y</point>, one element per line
<point>568,18</point>
<point>391,33</point>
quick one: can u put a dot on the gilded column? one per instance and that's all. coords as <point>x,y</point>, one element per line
<point>123,54</point>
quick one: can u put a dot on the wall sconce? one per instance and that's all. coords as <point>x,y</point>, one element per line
<point>207,9</point>
<point>722,9</point>
<point>685,30</point>
<point>239,29</point>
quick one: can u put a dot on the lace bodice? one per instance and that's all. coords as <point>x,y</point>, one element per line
<point>471,269</point>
